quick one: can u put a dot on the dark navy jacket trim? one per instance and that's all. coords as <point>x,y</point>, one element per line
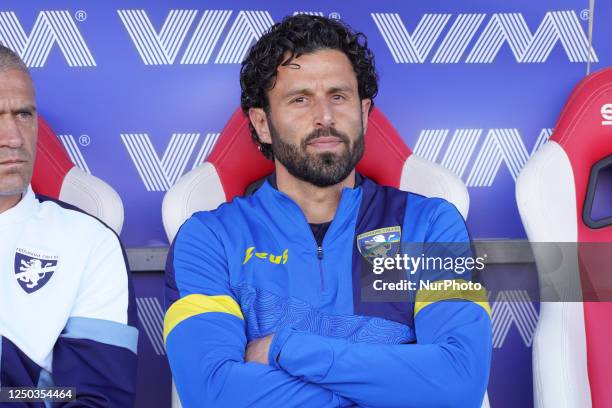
<point>381,207</point>
<point>171,292</point>
<point>18,370</point>
<point>105,375</point>
<point>132,320</point>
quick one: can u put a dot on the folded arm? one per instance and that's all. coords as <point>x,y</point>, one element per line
<point>205,338</point>
<point>448,367</point>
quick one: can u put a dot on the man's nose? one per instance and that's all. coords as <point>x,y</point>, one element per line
<point>324,115</point>
<point>10,134</point>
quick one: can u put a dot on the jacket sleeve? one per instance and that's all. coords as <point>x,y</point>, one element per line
<point>96,351</point>
<point>205,338</point>
<point>447,367</point>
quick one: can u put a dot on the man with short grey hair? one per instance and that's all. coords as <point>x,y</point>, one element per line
<point>10,60</point>
<point>67,315</point>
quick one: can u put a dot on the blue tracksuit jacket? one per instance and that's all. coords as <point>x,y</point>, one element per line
<point>252,267</point>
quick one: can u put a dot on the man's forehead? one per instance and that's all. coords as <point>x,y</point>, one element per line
<point>16,83</point>
<point>331,67</point>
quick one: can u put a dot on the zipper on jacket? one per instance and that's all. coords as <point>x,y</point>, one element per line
<point>314,239</point>
<point>320,258</point>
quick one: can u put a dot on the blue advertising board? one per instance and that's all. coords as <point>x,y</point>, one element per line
<point>139,90</point>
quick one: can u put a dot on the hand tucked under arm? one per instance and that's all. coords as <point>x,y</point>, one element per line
<point>257,350</point>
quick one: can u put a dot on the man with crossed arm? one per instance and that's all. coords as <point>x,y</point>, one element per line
<point>263,294</point>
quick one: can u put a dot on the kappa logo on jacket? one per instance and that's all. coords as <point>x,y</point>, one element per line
<point>33,270</point>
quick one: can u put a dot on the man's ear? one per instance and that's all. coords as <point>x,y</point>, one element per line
<point>259,120</point>
<point>365,113</point>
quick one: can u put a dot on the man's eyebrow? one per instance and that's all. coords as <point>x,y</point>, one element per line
<point>297,91</point>
<point>22,108</point>
<point>26,108</point>
<point>341,88</point>
<point>307,91</point>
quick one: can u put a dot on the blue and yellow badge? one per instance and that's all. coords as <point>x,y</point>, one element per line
<point>380,243</point>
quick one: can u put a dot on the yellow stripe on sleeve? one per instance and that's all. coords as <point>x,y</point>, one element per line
<point>449,290</point>
<point>196,304</point>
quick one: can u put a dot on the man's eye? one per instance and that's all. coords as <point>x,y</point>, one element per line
<point>24,115</point>
<point>299,99</point>
<point>338,97</point>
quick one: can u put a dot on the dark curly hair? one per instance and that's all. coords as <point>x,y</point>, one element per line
<point>298,35</point>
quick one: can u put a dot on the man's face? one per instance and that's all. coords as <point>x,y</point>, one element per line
<point>18,131</point>
<point>316,120</point>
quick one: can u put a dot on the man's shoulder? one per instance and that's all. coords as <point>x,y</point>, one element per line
<point>70,220</point>
<point>412,198</point>
<point>431,203</point>
<point>232,211</point>
<point>418,211</point>
<point>431,208</point>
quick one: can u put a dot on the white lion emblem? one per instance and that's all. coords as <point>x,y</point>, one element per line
<point>33,271</point>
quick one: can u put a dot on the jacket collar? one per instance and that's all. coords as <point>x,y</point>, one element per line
<point>281,208</point>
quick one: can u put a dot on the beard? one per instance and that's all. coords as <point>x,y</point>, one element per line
<point>320,169</point>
